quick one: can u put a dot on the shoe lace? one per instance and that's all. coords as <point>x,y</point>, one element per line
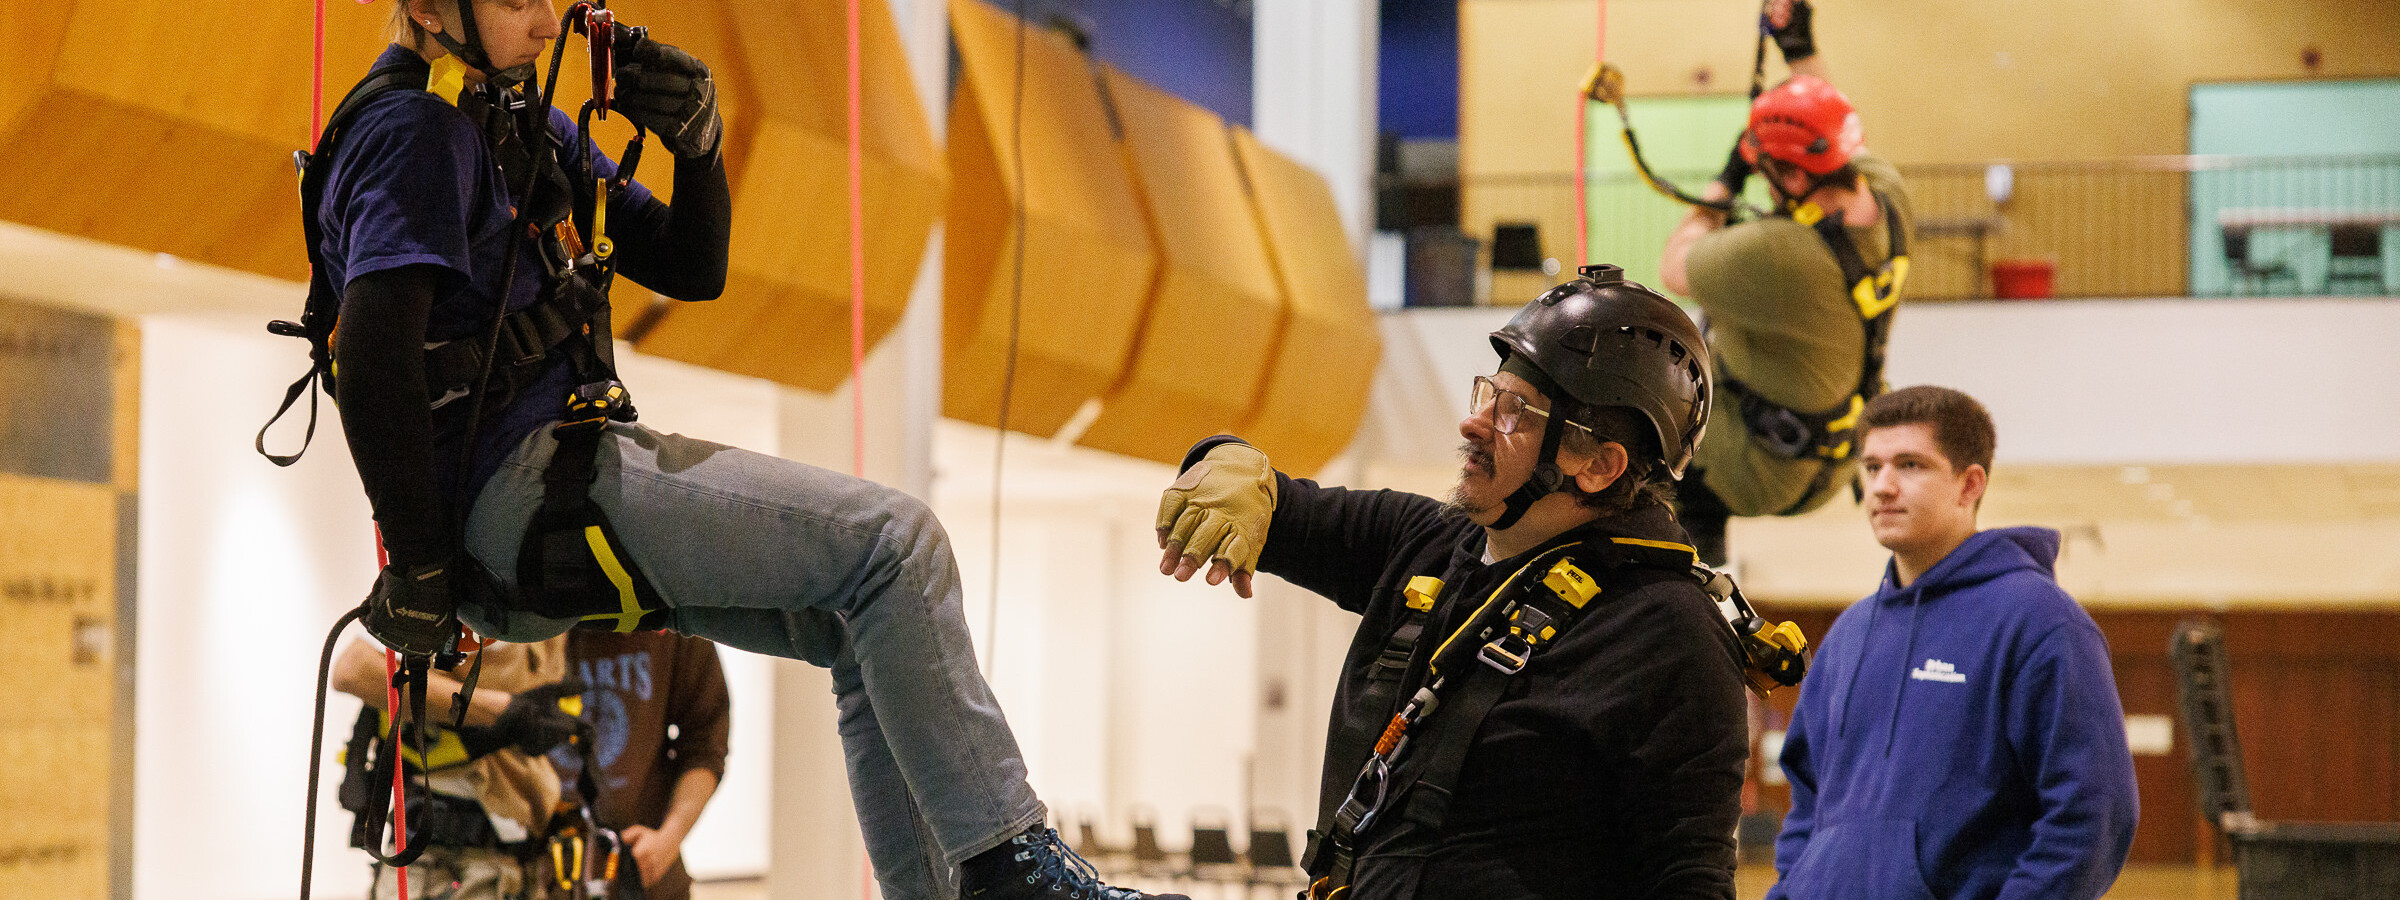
<point>1061,866</point>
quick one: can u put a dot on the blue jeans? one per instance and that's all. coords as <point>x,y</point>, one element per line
<point>786,559</point>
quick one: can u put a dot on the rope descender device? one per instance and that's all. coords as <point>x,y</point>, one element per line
<point>1774,654</point>
<point>1606,84</point>
<point>602,36</point>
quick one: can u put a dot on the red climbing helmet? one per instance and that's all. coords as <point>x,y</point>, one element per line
<point>1804,122</point>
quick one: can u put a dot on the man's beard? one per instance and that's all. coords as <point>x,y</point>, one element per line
<point>1457,501</point>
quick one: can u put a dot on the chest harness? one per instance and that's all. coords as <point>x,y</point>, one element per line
<point>571,564</point>
<point>1826,435</point>
<point>1412,766</point>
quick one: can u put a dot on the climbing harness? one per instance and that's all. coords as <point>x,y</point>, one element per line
<point>571,563</point>
<point>1470,669</point>
<point>1827,435</point>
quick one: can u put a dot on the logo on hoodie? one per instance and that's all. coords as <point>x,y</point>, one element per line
<point>1937,670</point>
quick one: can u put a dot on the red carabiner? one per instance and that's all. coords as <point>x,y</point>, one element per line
<point>599,28</point>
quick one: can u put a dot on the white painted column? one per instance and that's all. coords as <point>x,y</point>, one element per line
<point>817,852</point>
<point>1313,95</point>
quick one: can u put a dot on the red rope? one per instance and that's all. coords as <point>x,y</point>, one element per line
<point>316,83</point>
<point>1583,107</point>
<point>858,260</point>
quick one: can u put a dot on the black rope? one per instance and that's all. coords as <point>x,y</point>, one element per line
<point>316,747</point>
<point>1008,371</point>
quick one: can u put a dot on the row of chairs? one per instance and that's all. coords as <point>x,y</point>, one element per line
<point>1265,860</point>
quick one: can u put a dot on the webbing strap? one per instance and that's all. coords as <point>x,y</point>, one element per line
<point>1421,782</point>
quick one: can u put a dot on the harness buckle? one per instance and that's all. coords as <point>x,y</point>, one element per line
<point>591,406</point>
<point>1505,658</point>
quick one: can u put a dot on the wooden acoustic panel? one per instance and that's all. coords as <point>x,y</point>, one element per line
<point>1215,307</point>
<point>168,127</point>
<point>781,74</point>
<point>1087,255</point>
<point>1315,394</point>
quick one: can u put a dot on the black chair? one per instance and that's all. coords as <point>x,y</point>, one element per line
<point>1212,857</point>
<point>1517,246</point>
<point>2275,860</point>
<point>1109,860</point>
<point>1270,853</point>
<point>2246,273</point>
<point>1149,859</point>
<point>2357,258</point>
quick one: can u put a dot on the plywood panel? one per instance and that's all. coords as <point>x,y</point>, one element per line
<point>58,593</point>
<point>54,811</point>
<point>1316,393</point>
<point>1215,313</point>
<point>1087,256</point>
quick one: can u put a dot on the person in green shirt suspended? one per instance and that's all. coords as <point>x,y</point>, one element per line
<point>1798,303</point>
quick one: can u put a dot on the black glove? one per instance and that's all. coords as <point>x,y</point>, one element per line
<point>1736,173</point>
<point>668,92</point>
<point>1795,38</point>
<point>534,722</point>
<point>414,610</point>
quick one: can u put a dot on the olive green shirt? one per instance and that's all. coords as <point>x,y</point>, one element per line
<point>1781,320</point>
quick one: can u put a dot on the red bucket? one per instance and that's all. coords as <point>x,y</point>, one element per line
<point>2023,279</point>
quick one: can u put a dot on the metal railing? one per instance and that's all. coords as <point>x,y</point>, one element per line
<point>2169,226</point>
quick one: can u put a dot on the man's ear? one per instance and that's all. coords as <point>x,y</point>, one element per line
<point>1594,473</point>
<point>1975,480</point>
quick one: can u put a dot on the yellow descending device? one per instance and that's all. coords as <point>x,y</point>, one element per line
<point>1774,654</point>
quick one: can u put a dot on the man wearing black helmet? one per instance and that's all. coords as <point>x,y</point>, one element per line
<point>1540,701</point>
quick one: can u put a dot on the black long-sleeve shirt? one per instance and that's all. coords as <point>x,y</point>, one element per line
<point>1611,767</point>
<point>416,220</point>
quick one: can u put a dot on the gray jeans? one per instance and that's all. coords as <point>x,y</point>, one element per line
<point>782,558</point>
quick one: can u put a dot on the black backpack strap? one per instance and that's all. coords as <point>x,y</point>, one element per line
<point>324,300</point>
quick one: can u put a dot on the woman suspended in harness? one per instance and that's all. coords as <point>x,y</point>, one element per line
<point>1799,304</point>
<point>515,492</point>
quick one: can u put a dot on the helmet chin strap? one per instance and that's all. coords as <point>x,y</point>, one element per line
<point>1546,478</point>
<point>470,51</point>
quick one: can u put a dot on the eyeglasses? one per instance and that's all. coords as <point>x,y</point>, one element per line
<point>1505,404</point>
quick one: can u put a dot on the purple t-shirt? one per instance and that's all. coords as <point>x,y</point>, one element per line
<point>412,183</point>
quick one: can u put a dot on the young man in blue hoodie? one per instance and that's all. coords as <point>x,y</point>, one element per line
<point>1959,735</point>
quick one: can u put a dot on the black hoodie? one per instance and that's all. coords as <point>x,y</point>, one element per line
<point>1611,767</point>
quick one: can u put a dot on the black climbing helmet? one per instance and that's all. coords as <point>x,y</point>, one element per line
<point>1603,341</point>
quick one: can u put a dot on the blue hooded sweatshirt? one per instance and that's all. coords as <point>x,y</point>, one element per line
<point>1960,738</point>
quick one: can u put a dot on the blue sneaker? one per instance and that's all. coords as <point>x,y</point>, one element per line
<point>1037,865</point>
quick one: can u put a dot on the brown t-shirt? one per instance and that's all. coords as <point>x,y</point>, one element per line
<point>658,707</point>
<point>1781,320</point>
